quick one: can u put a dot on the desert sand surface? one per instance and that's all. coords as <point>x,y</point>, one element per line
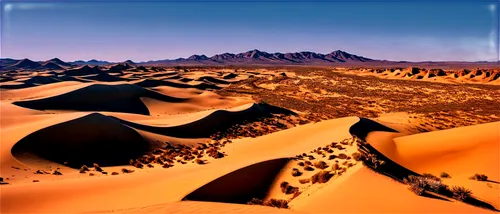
<point>134,139</point>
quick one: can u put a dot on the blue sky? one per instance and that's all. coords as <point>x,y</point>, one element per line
<point>121,30</point>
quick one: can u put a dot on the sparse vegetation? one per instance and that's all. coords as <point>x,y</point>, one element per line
<point>97,167</point>
<point>444,175</point>
<point>296,172</point>
<point>321,177</point>
<point>320,165</point>
<point>278,203</point>
<point>125,170</point>
<point>419,184</point>
<point>287,188</point>
<point>431,176</point>
<point>308,168</point>
<point>461,193</point>
<point>479,177</point>
<point>357,156</point>
<point>304,181</point>
<point>84,169</point>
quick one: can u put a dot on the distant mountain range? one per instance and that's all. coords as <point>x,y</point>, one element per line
<point>252,57</point>
<point>264,58</point>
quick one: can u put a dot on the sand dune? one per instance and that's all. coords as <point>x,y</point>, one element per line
<point>241,185</point>
<point>213,122</point>
<point>203,140</point>
<point>100,97</point>
<point>95,138</point>
<point>488,76</point>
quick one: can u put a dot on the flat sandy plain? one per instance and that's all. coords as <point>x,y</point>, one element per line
<point>133,139</point>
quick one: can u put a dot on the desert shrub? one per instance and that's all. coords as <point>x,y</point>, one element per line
<point>418,184</point>
<point>301,164</point>
<point>308,163</point>
<point>479,177</point>
<point>91,174</point>
<point>199,161</point>
<point>331,157</point>
<point>56,172</point>
<point>437,186</point>
<point>444,175</point>
<point>342,156</point>
<point>255,201</point>
<point>357,156</point>
<point>296,172</point>
<point>431,176</point>
<point>308,168</point>
<point>278,203</point>
<point>461,193</point>
<point>287,188</point>
<point>114,173</point>
<point>373,161</point>
<point>321,177</point>
<point>335,166</point>
<point>321,165</point>
<point>97,167</point>
<point>124,170</point>
<point>83,169</point>
<point>304,181</point>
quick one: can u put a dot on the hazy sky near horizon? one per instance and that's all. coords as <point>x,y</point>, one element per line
<point>153,30</point>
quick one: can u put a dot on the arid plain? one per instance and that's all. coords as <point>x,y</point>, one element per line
<point>127,138</point>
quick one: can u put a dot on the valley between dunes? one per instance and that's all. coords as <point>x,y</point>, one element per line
<point>134,139</point>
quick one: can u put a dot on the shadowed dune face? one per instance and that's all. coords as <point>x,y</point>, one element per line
<point>94,138</point>
<point>216,121</point>
<point>365,126</point>
<point>242,185</point>
<point>114,98</point>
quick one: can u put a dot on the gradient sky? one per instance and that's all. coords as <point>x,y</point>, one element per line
<point>153,30</point>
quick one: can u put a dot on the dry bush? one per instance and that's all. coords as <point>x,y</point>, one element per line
<point>308,163</point>
<point>445,175</point>
<point>418,184</point>
<point>331,157</point>
<point>479,177</point>
<point>301,164</point>
<point>357,156</point>
<point>167,165</point>
<point>461,193</point>
<point>308,168</point>
<point>114,173</point>
<point>342,156</point>
<point>321,177</point>
<point>296,172</point>
<point>335,166</point>
<point>124,170</point>
<point>150,165</point>
<point>84,169</point>
<point>431,176</point>
<point>199,161</point>
<point>56,172</point>
<point>278,203</point>
<point>255,201</point>
<point>91,174</point>
<point>321,165</point>
<point>97,167</point>
<point>287,188</point>
<point>304,181</point>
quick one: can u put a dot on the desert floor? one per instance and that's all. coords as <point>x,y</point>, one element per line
<point>132,139</point>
